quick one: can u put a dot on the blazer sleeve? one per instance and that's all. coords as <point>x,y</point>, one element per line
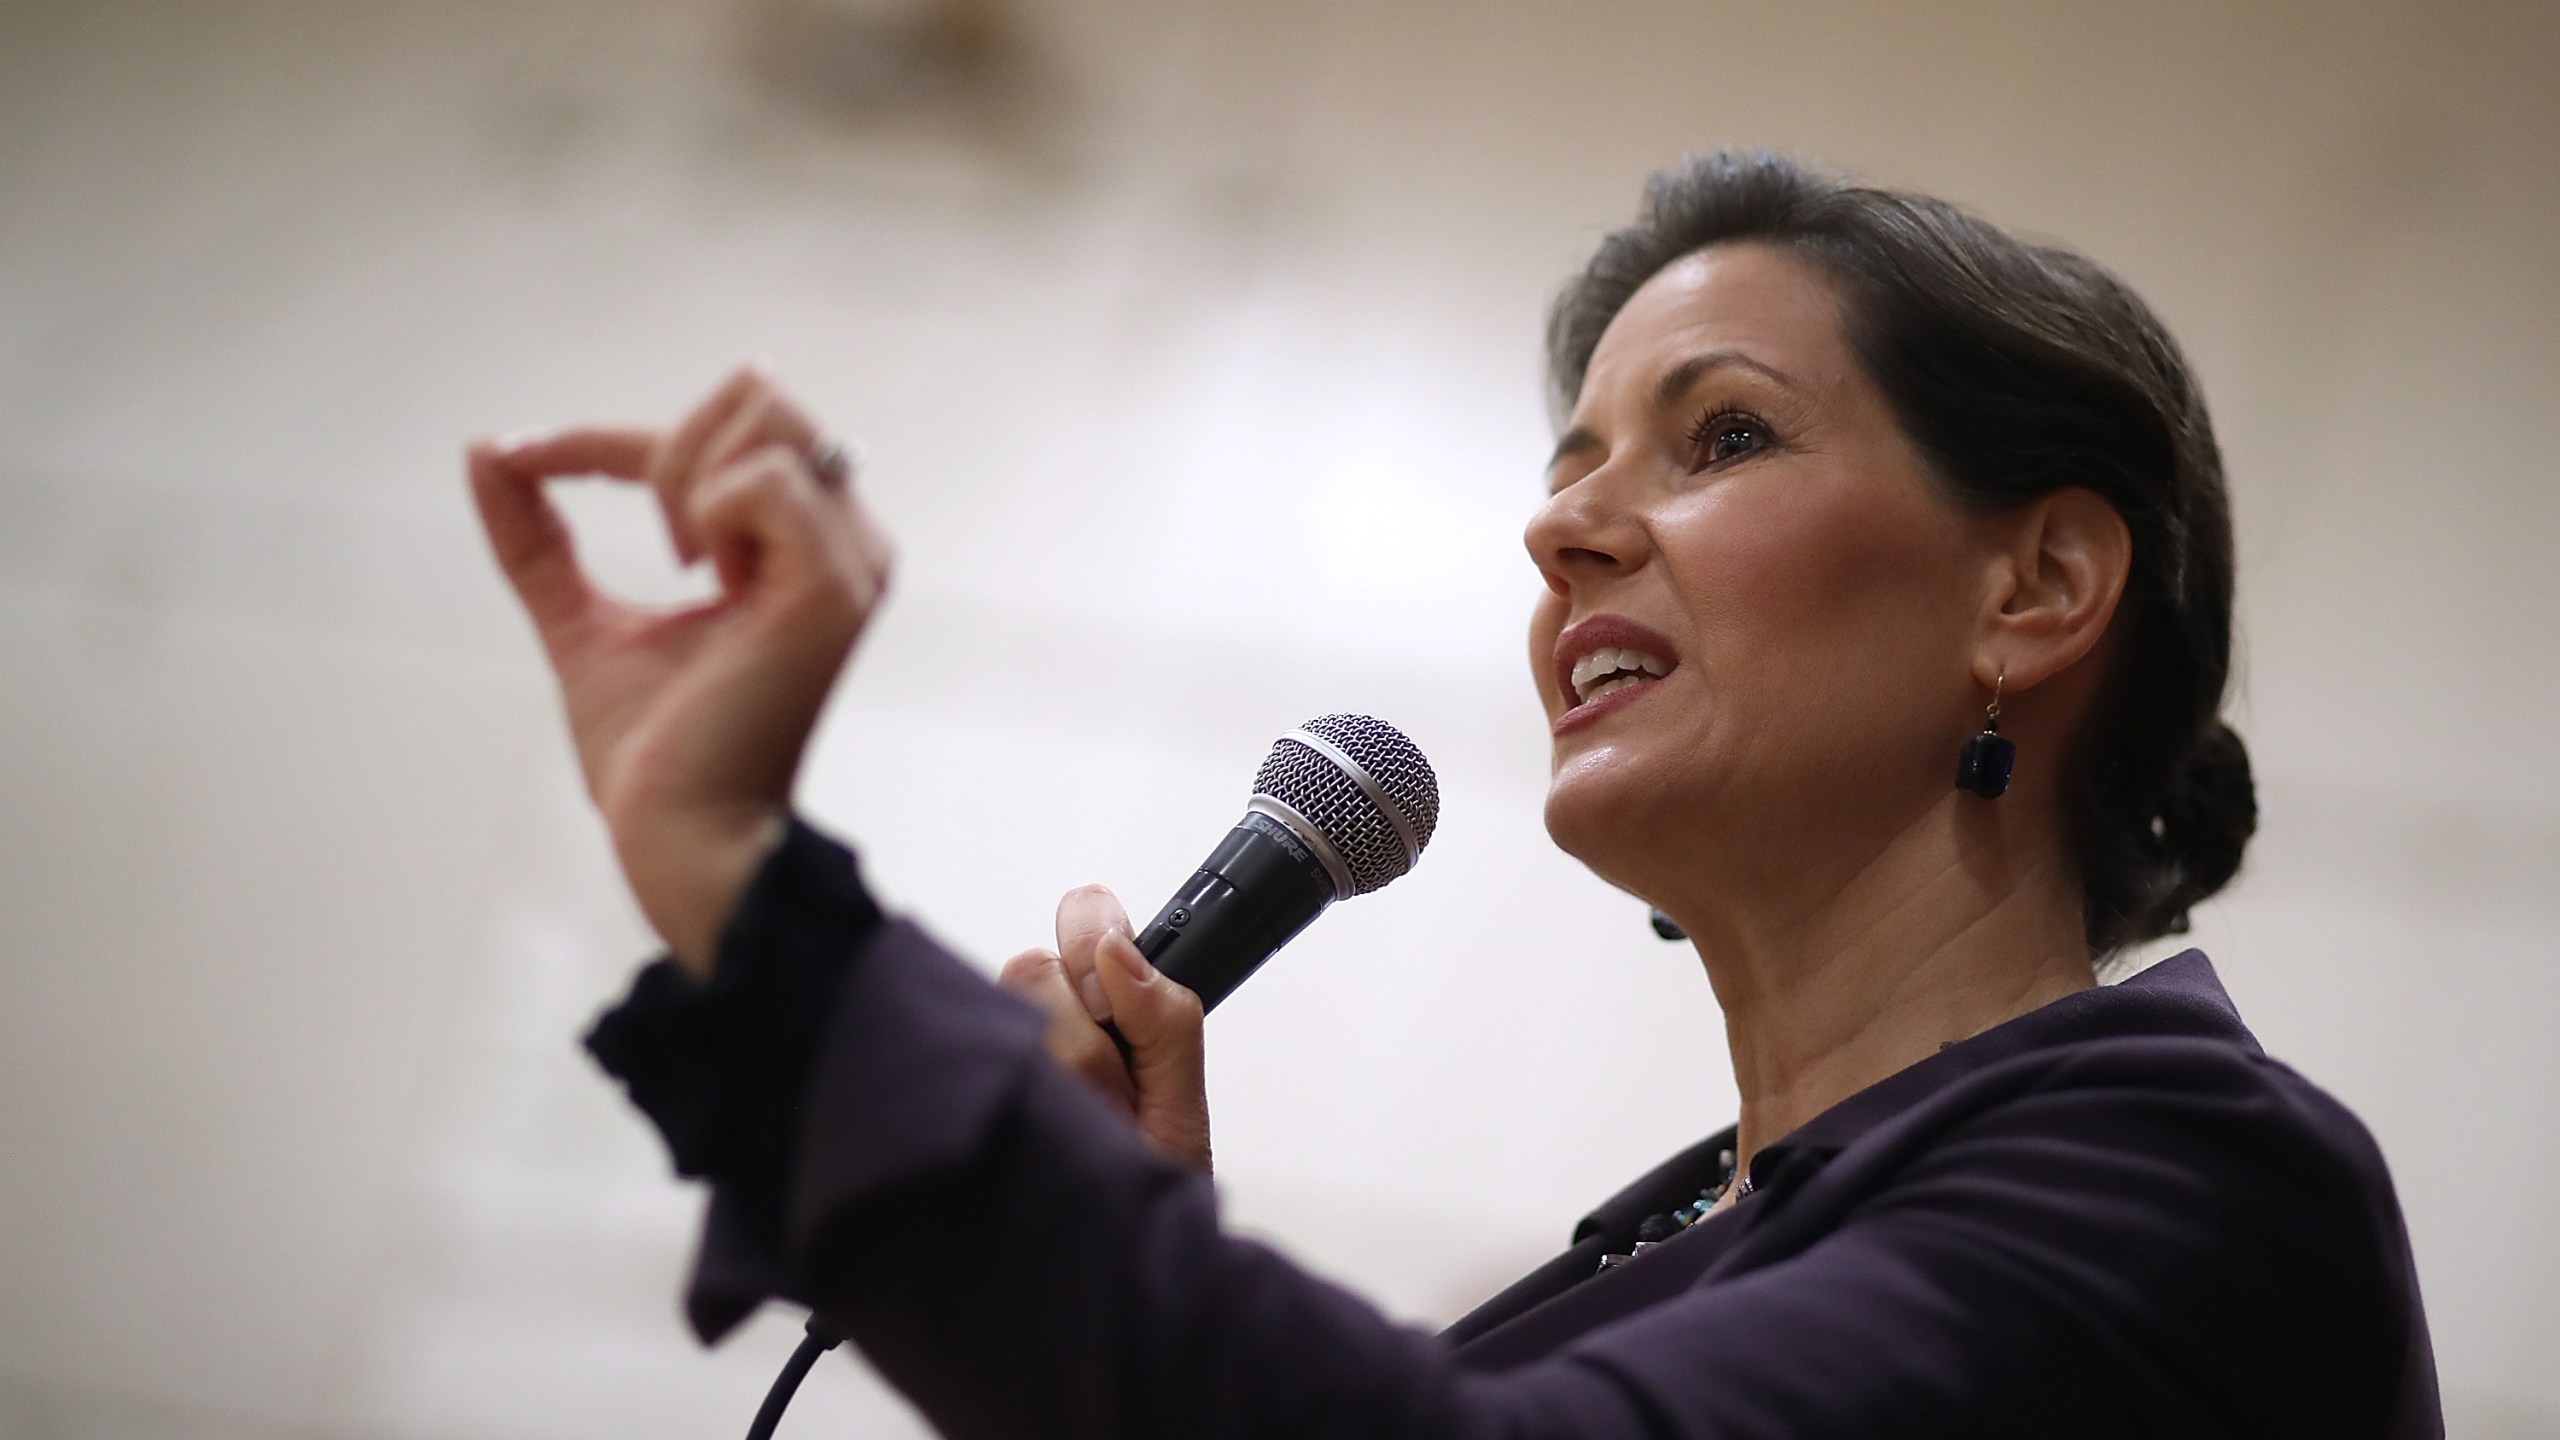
<point>1008,1253</point>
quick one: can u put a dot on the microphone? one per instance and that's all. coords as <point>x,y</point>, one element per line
<point>1342,805</point>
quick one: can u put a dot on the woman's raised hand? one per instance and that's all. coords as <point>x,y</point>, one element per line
<point>1095,975</point>
<point>690,723</point>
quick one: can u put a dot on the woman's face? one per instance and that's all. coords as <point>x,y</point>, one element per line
<point>1759,627</point>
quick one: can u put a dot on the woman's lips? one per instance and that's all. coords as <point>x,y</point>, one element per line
<point>1612,660</point>
<point>1592,712</point>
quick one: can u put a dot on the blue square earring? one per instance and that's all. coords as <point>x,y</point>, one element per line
<point>1984,765</point>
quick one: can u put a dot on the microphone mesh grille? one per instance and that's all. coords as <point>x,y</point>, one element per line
<point>1308,782</point>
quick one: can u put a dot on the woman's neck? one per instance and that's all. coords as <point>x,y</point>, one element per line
<point>1945,931</point>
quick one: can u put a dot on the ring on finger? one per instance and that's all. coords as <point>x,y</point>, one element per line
<point>832,461</point>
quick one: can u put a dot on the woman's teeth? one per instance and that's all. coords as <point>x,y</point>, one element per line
<point>1609,670</point>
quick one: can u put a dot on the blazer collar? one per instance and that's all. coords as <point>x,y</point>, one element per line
<point>1667,1186</point>
<point>2178,996</point>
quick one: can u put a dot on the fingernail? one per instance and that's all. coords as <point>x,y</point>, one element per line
<point>1096,1004</point>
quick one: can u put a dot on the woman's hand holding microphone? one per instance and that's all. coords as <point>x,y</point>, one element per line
<point>690,724</point>
<point>1096,975</point>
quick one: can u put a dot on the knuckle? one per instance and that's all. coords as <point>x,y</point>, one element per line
<point>772,463</point>
<point>836,608</point>
<point>1065,1045</point>
<point>1099,1064</point>
<point>784,415</point>
<point>1024,969</point>
<point>759,479</point>
<point>1175,1014</point>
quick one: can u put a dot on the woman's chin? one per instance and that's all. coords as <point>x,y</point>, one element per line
<point>1600,808</point>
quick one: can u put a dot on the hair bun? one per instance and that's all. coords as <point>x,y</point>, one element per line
<point>2205,823</point>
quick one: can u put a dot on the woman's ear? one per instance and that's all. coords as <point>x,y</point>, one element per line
<point>2059,570</point>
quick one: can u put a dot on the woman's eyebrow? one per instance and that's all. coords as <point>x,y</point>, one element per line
<point>1579,439</point>
<point>1675,382</point>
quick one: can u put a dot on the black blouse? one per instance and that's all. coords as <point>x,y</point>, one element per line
<point>2114,1216</point>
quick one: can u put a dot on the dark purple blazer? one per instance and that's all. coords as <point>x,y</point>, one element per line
<point>2114,1216</point>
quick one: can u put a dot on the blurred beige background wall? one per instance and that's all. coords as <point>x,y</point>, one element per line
<point>1194,348</point>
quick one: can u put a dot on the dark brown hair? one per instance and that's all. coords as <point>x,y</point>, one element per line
<point>2018,369</point>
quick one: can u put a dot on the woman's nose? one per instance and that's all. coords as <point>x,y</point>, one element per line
<point>1583,532</point>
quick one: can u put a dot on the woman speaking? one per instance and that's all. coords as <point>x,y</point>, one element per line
<point>1855,495</point>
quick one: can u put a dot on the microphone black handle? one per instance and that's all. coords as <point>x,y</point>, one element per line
<point>1254,893</point>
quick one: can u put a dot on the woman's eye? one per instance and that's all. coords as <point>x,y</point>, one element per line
<point>1728,436</point>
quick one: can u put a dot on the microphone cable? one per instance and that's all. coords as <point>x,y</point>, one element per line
<point>820,1339</point>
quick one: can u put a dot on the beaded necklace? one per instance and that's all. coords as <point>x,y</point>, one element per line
<point>1654,1229</point>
